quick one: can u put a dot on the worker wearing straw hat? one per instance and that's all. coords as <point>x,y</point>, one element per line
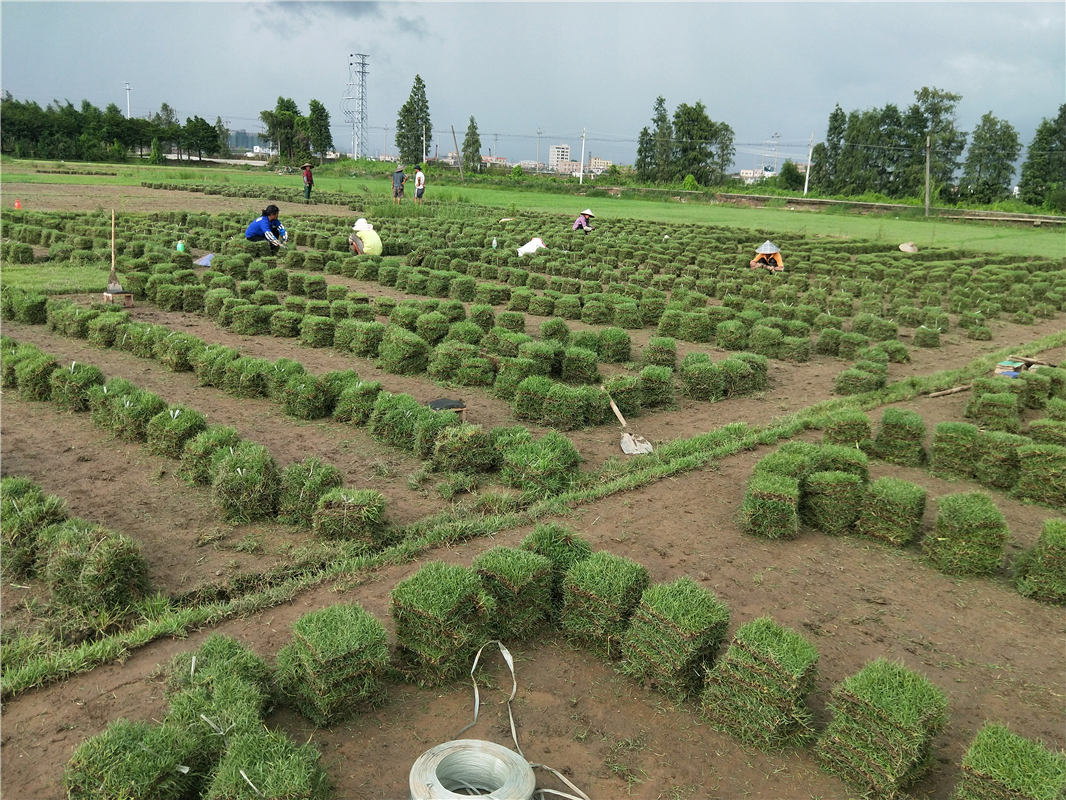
<point>398,180</point>
<point>582,221</point>
<point>309,180</point>
<point>364,240</point>
<point>768,256</point>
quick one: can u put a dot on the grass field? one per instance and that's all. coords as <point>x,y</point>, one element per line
<point>909,226</point>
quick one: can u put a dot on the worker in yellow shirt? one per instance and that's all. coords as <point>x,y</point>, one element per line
<point>364,240</point>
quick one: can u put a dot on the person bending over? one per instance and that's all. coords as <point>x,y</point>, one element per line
<point>267,228</point>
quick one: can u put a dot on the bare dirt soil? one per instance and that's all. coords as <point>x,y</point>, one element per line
<point>997,655</point>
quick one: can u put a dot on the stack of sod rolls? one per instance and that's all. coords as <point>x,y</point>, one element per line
<point>1001,765</point>
<point>673,637</point>
<point>543,467</point>
<point>758,690</point>
<point>832,500</point>
<point>25,510</point>
<point>442,615</point>
<point>885,718</point>
<point>1040,572</point>
<point>900,438</point>
<point>997,463</point>
<point>969,535</point>
<point>600,594</point>
<point>216,693</point>
<point>273,766</point>
<point>996,412</point>
<point>335,664</point>
<point>771,506</point>
<point>563,548</point>
<point>849,427</point>
<point>302,486</point>
<point>1042,477</point>
<point>954,449</point>
<point>892,511</point>
<point>246,483</point>
<point>355,515</point>
<point>520,582</point>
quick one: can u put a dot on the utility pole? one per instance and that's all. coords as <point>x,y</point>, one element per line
<point>127,98</point>
<point>460,155</point>
<point>807,173</point>
<point>423,143</point>
<point>386,145</point>
<point>927,143</point>
<point>777,146</point>
<point>537,169</point>
<point>581,170</point>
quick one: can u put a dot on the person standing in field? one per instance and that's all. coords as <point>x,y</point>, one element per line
<point>267,228</point>
<point>309,181</point>
<point>420,183</point>
<point>398,180</point>
<point>363,239</point>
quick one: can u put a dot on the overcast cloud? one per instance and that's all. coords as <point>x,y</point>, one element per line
<point>764,68</point>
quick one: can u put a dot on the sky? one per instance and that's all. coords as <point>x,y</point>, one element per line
<point>772,71</point>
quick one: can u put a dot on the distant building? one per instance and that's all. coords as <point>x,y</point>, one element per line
<point>452,159</point>
<point>494,161</point>
<point>598,165</point>
<point>242,140</point>
<point>567,167</point>
<point>531,166</point>
<point>557,153</point>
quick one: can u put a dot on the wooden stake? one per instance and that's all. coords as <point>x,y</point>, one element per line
<point>956,390</point>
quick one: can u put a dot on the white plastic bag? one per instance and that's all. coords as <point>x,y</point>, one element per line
<point>531,246</point>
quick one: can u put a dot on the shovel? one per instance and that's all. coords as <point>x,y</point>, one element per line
<point>631,444</point>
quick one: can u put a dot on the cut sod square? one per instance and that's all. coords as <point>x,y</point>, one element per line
<point>1001,765</point>
<point>885,718</point>
<point>520,581</point>
<point>969,535</point>
<point>673,637</point>
<point>1040,571</point>
<point>771,506</point>
<point>600,594</point>
<point>758,690</point>
<point>892,511</point>
<point>832,501</point>
<point>563,548</point>
<point>442,614</point>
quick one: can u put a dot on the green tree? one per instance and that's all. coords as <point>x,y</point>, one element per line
<point>790,177</point>
<point>932,115</point>
<point>201,136</point>
<point>655,147</point>
<point>702,148</point>
<point>826,157</point>
<point>413,125</point>
<point>517,171</point>
<point>223,138</point>
<point>1044,169</point>
<point>471,148</point>
<point>318,128</point>
<point>989,167</point>
<point>157,158</point>
<point>281,127</point>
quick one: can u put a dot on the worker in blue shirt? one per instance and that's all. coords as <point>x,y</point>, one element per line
<point>266,228</point>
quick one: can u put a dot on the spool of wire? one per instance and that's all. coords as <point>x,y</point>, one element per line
<point>471,768</point>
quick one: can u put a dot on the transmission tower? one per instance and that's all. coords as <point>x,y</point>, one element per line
<point>354,102</point>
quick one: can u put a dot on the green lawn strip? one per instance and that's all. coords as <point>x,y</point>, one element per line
<point>454,526</point>
<point>59,278</point>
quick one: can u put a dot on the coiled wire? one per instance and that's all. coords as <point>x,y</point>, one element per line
<point>475,768</point>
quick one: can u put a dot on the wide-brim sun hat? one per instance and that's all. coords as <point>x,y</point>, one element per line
<point>362,225</point>
<point>304,166</point>
<point>399,168</point>
<point>587,213</point>
<point>768,247</point>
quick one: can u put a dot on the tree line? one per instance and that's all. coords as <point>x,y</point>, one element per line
<point>62,131</point>
<point>884,151</point>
